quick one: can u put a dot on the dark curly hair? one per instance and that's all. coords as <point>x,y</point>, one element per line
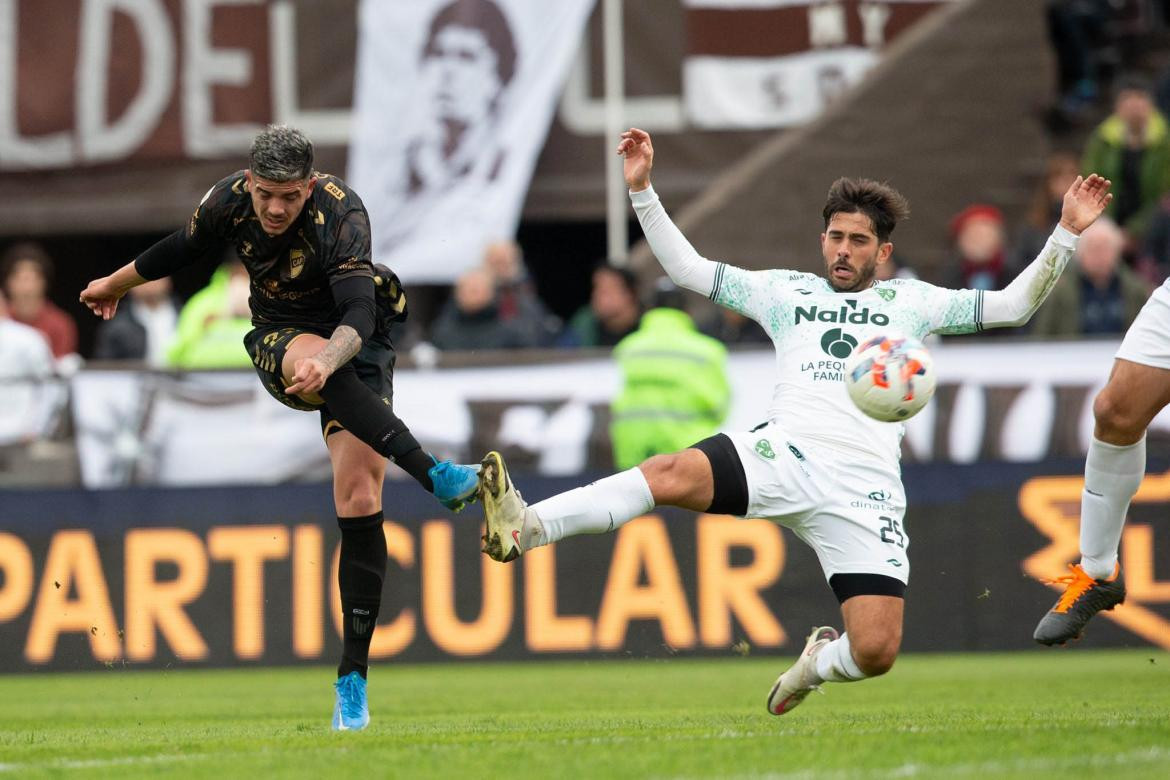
<point>877,200</point>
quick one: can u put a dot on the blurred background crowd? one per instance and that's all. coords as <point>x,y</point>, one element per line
<point>552,285</point>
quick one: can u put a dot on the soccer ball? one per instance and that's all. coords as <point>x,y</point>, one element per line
<point>890,377</point>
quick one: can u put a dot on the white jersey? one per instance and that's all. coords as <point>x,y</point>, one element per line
<point>815,328</point>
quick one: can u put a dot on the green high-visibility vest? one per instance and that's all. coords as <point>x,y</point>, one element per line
<point>674,390</point>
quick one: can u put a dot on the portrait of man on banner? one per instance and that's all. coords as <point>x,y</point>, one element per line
<point>453,102</point>
<point>452,150</point>
<point>449,121</point>
<point>466,67</point>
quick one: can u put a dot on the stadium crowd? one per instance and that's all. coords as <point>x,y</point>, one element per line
<point>1109,114</point>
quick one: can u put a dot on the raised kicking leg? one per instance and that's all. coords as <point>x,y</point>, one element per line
<point>683,479</point>
<point>371,419</point>
<point>1114,468</point>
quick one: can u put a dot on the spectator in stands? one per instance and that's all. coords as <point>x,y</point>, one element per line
<point>471,318</point>
<point>1132,148</point>
<point>1099,294</point>
<point>1076,31</point>
<point>1060,170</point>
<point>613,311</point>
<point>516,297</point>
<point>979,262</point>
<point>26,273</point>
<point>25,361</point>
<point>674,383</point>
<point>212,325</point>
<point>143,328</point>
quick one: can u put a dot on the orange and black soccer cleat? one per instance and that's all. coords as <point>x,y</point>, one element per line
<point>1083,597</point>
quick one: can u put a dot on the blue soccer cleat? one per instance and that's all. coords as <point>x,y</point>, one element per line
<point>455,485</point>
<point>350,713</point>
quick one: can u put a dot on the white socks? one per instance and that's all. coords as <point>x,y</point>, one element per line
<point>601,506</point>
<point>835,662</point>
<point>1112,475</point>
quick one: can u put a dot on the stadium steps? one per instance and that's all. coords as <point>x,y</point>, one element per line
<point>952,115</point>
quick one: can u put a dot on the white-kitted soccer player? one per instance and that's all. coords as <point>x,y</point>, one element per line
<point>815,463</point>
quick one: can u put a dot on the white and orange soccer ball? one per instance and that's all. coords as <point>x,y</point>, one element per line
<point>890,377</point>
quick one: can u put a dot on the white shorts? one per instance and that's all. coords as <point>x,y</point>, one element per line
<point>849,514</point>
<point>1148,339</point>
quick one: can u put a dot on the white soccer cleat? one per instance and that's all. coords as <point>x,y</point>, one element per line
<point>512,528</point>
<point>801,679</point>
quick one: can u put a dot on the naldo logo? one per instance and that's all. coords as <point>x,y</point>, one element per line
<point>847,314</point>
<point>837,343</point>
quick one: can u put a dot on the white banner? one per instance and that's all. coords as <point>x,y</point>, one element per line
<point>753,92</point>
<point>1015,402</point>
<point>452,103</point>
<point>776,63</point>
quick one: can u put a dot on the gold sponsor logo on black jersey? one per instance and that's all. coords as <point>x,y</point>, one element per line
<point>296,263</point>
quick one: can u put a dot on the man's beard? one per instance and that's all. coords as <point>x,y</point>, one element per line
<point>862,281</point>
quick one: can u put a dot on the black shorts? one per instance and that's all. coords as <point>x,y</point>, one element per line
<point>267,345</point>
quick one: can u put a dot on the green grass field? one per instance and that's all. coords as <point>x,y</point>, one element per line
<point>1037,714</point>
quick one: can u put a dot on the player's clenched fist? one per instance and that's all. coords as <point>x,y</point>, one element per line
<point>309,375</point>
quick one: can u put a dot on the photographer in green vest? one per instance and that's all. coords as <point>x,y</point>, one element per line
<point>674,383</point>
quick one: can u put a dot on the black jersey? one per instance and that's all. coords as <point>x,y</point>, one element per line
<point>291,273</point>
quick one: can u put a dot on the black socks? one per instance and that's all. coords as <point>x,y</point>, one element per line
<point>360,575</point>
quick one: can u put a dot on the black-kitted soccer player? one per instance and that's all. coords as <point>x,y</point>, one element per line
<point>321,316</point>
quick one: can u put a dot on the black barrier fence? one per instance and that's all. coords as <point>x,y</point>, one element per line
<point>237,575</point>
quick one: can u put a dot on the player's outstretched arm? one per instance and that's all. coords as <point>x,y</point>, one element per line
<point>685,267</point>
<point>1014,305</point>
<point>169,254</point>
<point>101,296</point>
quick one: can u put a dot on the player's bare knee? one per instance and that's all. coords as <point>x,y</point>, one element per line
<point>875,651</point>
<point>875,657</point>
<point>358,504</point>
<point>357,496</point>
<point>658,466</point>
<point>1116,418</point>
<point>667,477</point>
<point>661,471</point>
